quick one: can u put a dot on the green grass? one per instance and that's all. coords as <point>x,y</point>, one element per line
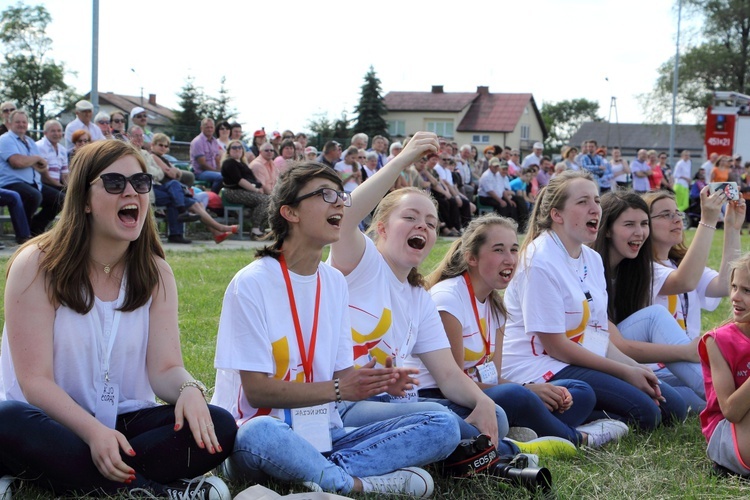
<point>667,463</point>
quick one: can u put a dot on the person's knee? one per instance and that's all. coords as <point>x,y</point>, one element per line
<point>224,426</point>
<point>446,431</point>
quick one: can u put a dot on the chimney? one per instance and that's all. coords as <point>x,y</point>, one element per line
<point>437,89</point>
<point>152,99</point>
<point>483,90</point>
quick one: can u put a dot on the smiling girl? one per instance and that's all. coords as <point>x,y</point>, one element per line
<point>557,305</point>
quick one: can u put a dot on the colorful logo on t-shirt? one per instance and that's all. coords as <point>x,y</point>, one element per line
<point>672,301</point>
<point>366,343</point>
<point>474,358</point>
<point>577,333</point>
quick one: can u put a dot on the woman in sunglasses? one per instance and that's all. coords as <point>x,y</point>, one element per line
<point>91,339</point>
<point>241,186</point>
<point>117,124</point>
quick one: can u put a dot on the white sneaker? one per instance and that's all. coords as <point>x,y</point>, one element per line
<point>411,481</point>
<point>521,434</point>
<point>603,431</point>
<point>5,487</point>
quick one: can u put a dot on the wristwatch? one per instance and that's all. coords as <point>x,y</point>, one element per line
<point>194,383</point>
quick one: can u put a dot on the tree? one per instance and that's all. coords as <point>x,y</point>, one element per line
<point>719,61</point>
<point>219,108</point>
<point>28,76</point>
<point>563,118</point>
<point>186,123</point>
<point>371,108</point>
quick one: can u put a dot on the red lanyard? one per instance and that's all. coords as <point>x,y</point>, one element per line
<point>307,362</point>
<point>472,299</point>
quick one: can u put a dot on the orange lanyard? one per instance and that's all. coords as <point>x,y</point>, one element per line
<point>307,362</point>
<point>472,299</point>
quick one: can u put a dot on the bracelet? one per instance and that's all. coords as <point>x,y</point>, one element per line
<point>194,383</point>
<point>337,389</point>
<point>706,225</point>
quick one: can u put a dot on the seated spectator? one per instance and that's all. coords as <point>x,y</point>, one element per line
<point>311,153</point>
<point>118,125</point>
<point>84,113</point>
<point>445,170</point>
<point>18,219</point>
<point>235,134</point>
<point>286,158</point>
<point>241,186</point>
<point>449,212</point>
<point>299,152</point>
<point>138,116</point>
<point>22,169</point>
<point>370,165</point>
<point>264,169</point>
<point>349,170</point>
<point>495,191</point>
<point>101,269</point>
<point>330,155</point>
<point>80,138</point>
<point>7,108</point>
<point>205,156</point>
<point>521,184</point>
<point>259,138</point>
<point>223,131</point>
<point>55,154</point>
<point>394,150</point>
<point>464,169</point>
<point>276,142</point>
<point>159,147</point>
<point>380,146</point>
<point>102,121</point>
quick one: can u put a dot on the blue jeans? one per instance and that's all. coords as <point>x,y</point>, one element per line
<point>620,400</point>
<point>36,448</point>
<point>170,195</point>
<point>49,198</point>
<point>654,324</point>
<point>377,408</point>
<point>695,403</point>
<point>215,178</point>
<point>13,201</point>
<point>267,446</point>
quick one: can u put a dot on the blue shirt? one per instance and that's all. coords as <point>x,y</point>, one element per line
<point>517,184</point>
<point>11,144</point>
<point>593,164</point>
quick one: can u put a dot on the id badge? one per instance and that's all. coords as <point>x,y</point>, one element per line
<point>107,399</point>
<point>314,424</point>
<point>487,373</point>
<point>412,396</point>
<point>596,340</point>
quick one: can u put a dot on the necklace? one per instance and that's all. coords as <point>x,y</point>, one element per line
<point>107,267</point>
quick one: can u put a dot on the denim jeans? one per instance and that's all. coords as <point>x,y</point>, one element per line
<point>267,446</point>
<point>170,195</point>
<point>620,400</point>
<point>49,198</point>
<point>37,448</point>
<point>214,178</point>
<point>654,324</point>
<point>377,408</point>
<point>13,201</point>
<point>695,403</point>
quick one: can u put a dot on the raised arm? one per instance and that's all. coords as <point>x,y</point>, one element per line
<point>348,250</point>
<point>733,220</point>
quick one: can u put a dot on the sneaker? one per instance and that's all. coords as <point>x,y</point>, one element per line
<point>314,487</point>
<point>521,434</point>
<point>548,446</point>
<point>603,431</point>
<point>411,481</point>
<point>5,487</point>
<point>198,488</point>
<point>188,217</point>
<point>178,238</point>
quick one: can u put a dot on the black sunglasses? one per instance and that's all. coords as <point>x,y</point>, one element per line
<point>329,196</point>
<point>115,183</point>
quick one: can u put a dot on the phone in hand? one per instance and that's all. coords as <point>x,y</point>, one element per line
<point>730,189</point>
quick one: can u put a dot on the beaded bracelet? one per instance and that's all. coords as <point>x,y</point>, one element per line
<point>337,389</point>
<point>706,225</point>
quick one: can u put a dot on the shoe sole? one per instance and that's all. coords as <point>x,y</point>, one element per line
<point>548,446</point>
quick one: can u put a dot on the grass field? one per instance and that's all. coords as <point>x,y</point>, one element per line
<point>667,463</point>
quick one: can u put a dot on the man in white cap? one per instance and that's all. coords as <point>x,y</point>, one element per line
<point>84,114</point>
<point>535,158</point>
<point>139,117</point>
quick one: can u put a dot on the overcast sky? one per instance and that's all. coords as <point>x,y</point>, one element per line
<point>285,62</point>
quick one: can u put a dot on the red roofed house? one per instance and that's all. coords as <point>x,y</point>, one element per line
<point>478,118</point>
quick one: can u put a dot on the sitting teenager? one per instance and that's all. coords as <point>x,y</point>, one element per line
<point>284,362</point>
<point>82,373</point>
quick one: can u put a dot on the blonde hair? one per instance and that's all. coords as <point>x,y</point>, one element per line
<point>383,213</point>
<point>454,262</point>
<point>226,155</point>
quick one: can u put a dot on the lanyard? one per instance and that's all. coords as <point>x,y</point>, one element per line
<point>581,279</point>
<point>472,299</point>
<point>307,362</point>
<point>105,359</point>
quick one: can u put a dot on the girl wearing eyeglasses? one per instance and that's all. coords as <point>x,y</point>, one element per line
<point>91,339</point>
<point>682,282</point>
<point>241,186</point>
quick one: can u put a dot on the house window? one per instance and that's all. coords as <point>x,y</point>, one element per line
<point>525,131</point>
<point>442,129</point>
<point>397,128</point>
<point>480,139</point>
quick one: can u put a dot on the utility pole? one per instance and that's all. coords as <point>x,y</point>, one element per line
<point>95,57</point>
<point>674,86</point>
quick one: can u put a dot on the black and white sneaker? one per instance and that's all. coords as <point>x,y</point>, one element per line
<point>198,488</point>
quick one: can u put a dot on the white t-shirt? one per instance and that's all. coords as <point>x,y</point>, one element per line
<point>546,295</point>
<point>350,184</point>
<point>531,159</point>
<point>388,317</point>
<point>93,129</point>
<point>677,305</point>
<point>683,169</point>
<point>452,296</point>
<point>257,334</point>
<point>80,346</point>
<point>444,174</point>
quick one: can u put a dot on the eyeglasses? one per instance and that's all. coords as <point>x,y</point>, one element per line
<point>361,157</point>
<point>236,148</point>
<point>8,110</point>
<point>115,183</point>
<point>166,146</point>
<point>118,120</point>
<point>329,196</point>
<point>670,216</point>
<point>103,122</point>
<point>142,115</point>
